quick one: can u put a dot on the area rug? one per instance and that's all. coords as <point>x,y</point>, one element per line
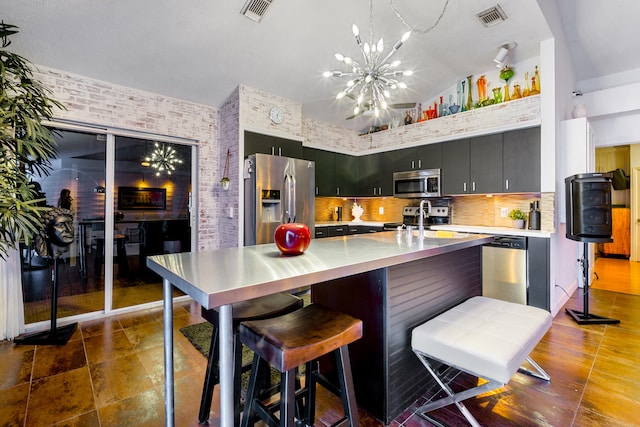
<point>200,336</point>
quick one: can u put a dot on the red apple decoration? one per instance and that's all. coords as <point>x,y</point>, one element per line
<point>292,238</point>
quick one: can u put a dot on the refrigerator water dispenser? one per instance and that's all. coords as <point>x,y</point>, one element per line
<point>271,207</point>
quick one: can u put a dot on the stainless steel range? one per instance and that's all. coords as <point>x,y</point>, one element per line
<point>440,213</point>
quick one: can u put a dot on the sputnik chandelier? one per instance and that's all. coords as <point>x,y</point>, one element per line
<point>372,80</point>
<point>162,159</point>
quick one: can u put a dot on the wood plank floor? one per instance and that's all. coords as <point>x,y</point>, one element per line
<point>110,374</point>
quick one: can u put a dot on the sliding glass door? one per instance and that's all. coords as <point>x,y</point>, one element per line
<point>131,198</point>
<point>151,201</point>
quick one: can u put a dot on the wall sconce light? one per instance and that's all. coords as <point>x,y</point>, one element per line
<point>503,54</point>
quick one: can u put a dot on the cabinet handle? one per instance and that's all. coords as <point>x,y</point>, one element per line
<point>379,191</point>
<point>473,186</point>
<point>413,164</point>
<point>279,151</point>
<point>506,184</point>
<point>273,151</point>
<point>374,191</point>
<point>338,191</point>
<point>317,191</point>
<point>464,187</point>
<point>419,164</point>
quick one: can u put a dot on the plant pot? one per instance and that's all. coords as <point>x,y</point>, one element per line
<point>518,223</point>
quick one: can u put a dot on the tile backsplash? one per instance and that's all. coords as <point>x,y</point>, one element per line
<point>478,210</point>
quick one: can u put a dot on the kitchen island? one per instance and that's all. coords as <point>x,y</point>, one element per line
<point>398,279</point>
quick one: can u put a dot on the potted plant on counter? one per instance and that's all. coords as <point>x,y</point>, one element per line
<point>518,218</point>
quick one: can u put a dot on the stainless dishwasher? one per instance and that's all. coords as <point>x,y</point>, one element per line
<point>504,269</point>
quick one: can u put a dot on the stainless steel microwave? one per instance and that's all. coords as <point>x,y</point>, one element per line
<point>417,184</point>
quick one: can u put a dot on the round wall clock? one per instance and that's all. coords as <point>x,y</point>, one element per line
<point>276,115</point>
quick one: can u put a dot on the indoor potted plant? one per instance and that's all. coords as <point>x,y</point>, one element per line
<point>225,175</point>
<point>26,148</point>
<point>518,218</point>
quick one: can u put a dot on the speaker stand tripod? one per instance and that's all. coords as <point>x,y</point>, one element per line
<point>56,335</point>
<point>584,317</point>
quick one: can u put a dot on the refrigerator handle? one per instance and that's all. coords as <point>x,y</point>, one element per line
<point>293,196</point>
<point>290,194</point>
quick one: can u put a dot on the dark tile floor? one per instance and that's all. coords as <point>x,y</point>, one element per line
<point>110,374</point>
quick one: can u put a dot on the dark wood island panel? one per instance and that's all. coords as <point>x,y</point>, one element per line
<point>392,301</point>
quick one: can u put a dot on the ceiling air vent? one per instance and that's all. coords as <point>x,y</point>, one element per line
<point>492,16</point>
<point>255,9</point>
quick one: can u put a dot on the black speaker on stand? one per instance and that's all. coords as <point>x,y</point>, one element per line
<point>588,201</point>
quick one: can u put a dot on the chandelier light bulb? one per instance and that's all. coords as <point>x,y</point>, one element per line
<point>407,73</point>
<point>367,49</point>
<point>360,99</point>
<point>386,94</point>
<point>356,30</point>
<point>350,83</point>
<point>348,60</point>
<point>402,85</point>
<point>356,110</point>
<point>340,95</point>
<point>406,36</point>
<point>380,45</point>
<point>395,63</point>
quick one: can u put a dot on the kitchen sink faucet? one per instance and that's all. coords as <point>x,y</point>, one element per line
<point>421,216</point>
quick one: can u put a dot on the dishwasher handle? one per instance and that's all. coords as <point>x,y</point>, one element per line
<point>509,242</point>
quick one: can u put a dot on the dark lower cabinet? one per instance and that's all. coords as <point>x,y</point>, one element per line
<point>321,232</point>
<point>538,251</point>
<point>344,230</point>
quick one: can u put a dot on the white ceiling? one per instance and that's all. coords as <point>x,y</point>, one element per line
<point>201,50</point>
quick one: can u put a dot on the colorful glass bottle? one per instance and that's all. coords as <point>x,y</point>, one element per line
<point>482,88</point>
<point>469,98</point>
<point>536,75</point>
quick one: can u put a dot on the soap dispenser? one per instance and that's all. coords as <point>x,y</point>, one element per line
<point>534,216</point>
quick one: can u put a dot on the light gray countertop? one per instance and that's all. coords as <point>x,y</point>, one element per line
<point>503,231</point>
<point>225,276</point>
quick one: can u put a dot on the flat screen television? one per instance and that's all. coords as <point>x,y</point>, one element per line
<point>619,179</point>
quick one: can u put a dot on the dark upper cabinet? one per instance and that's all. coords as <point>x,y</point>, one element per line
<point>430,156</point>
<point>427,156</point>
<point>268,144</point>
<point>375,175</point>
<point>508,162</point>
<point>324,170</point>
<point>521,161</point>
<point>346,175</point>
<point>336,174</point>
<point>455,167</point>
<point>485,164</point>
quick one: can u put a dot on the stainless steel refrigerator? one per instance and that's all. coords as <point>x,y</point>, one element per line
<point>277,190</point>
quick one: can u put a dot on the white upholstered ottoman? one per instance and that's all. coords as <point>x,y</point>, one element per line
<point>485,337</point>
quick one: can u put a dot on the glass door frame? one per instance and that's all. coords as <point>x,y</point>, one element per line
<point>111,134</point>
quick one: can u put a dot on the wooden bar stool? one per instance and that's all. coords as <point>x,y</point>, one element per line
<point>253,309</point>
<point>296,339</point>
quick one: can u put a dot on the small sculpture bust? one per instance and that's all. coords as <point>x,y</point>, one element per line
<point>56,233</point>
<point>357,212</point>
